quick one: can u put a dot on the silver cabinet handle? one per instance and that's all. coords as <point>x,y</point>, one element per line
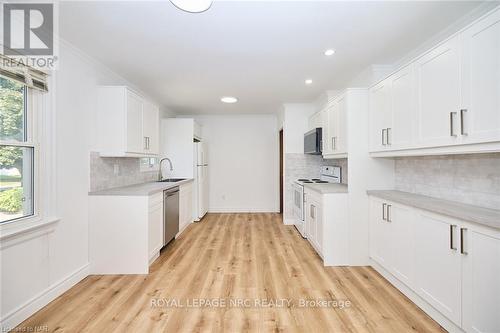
<point>452,132</point>
<point>462,131</point>
<point>383,137</point>
<point>462,247</point>
<point>389,217</point>
<point>313,211</point>
<point>387,136</point>
<point>333,143</point>
<point>383,211</point>
<point>145,143</point>
<point>452,232</point>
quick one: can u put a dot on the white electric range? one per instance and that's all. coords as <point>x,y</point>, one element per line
<point>329,174</point>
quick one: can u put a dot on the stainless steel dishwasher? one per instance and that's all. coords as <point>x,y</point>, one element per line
<point>170,214</point>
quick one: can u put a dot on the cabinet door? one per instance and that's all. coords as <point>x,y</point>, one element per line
<point>151,128</point>
<point>311,222</point>
<point>134,137</point>
<point>438,94</point>
<point>341,137</point>
<point>380,115</point>
<point>380,234</point>
<point>403,109</point>
<point>438,264</point>
<point>318,217</point>
<point>155,229</point>
<point>403,243</point>
<point>481,287</point>
<point>325,147</point>
<point>481,81</point>
<point>332,127</point>
<point>185,205</point>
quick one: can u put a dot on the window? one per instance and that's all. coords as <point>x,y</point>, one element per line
<point>17,152</point>
<point>149,164</point>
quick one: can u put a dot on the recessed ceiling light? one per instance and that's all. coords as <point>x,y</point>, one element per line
<point>191,6</point>
<point>308,81</point>
<point>229,99</point>
<point>329,52</point>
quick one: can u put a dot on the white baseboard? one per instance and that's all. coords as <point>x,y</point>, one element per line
<point>242,210</point>
<point>24,311</point>
<point>419,301</point>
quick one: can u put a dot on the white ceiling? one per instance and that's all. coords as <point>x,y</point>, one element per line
<point>260,51</point>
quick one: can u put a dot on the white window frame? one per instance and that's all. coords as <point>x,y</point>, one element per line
<point>150,167</point>
<point>40,122</point>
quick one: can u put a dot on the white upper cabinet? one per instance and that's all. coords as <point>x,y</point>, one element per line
<point>380,115</point>
<point>447,101</point>
<point>340,141</point>
<point>438,91</point>
<point>480,120</point>
<point>151,128</point>
<point>481,290</point>
<point>128,124</point>
<point>335,128</point>
<point>401,130</point>
<point>133,109</point>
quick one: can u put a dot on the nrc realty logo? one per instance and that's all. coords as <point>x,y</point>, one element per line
<point>28,29</point>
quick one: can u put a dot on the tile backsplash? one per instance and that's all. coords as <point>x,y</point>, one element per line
<point>305,166</point>
<point>472,179</point>
<point>102,172</point>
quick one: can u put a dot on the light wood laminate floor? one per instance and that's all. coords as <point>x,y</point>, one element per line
<point>246,258</point>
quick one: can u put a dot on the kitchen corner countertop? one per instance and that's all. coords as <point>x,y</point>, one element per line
<point>143,189</point>
<point>327,188</point>
<point>485,216</point>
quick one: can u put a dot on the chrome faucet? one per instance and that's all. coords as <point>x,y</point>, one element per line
<point>160,175</point>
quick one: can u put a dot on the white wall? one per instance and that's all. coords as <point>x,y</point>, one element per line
<point>295,124</point>
<point>243,162</point>
<point>38,266</point>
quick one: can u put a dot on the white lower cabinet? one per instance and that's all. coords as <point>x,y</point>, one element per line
<point>314,224</point>
<point>327,226</point>
<point>481,282</point>
<point>380,246</point>
<point>451,265</point>
<point>126,233</point>
<point>392,239</point>
<point>438,264</point>
<point>155,225</point>
<point>185,205</point>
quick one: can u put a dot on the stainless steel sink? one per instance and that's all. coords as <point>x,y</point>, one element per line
<point>171,180</point>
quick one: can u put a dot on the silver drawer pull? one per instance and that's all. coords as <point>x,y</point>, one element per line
<point>462,130</point>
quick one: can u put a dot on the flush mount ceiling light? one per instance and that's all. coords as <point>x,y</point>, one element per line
<point>329,52</point>
<point>308,81</point>
<point>229,99</point>
<point>192,6</point>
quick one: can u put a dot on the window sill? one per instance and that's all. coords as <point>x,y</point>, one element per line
<point>21,227</point>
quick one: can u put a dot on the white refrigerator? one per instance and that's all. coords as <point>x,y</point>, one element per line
<point>200,181</point>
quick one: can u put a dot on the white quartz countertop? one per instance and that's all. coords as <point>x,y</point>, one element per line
<point>485,216</point>
<point>327,188</point>
<point>143,189</point>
